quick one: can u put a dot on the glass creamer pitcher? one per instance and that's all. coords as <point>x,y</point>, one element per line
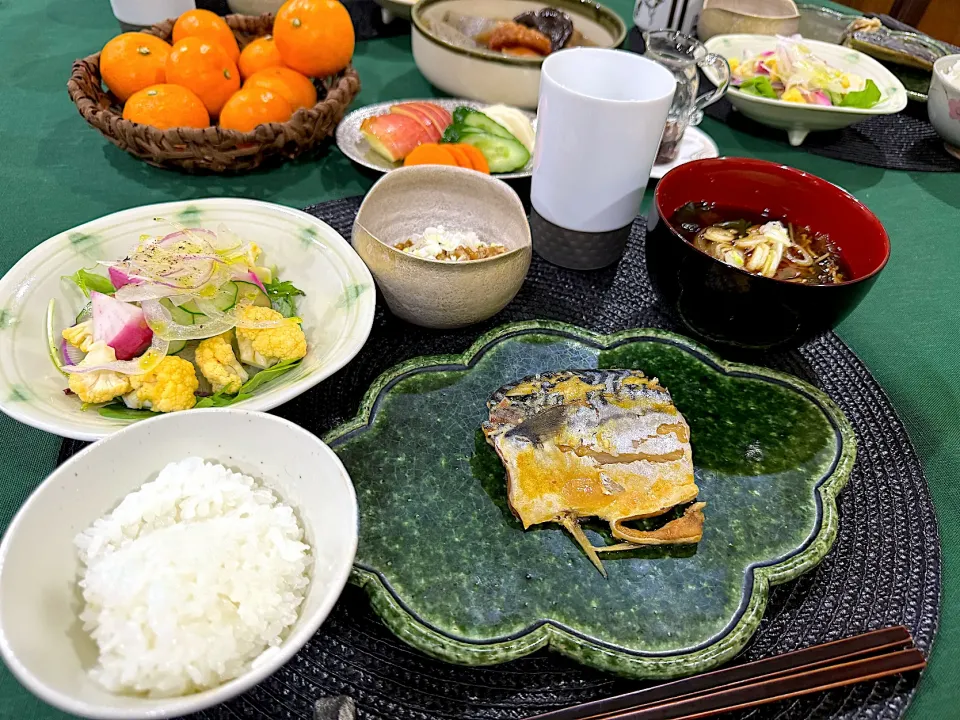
<point>682,55</point>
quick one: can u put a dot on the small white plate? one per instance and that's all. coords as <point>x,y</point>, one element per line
<point>695,145</point>
<point>41,638</point>
<point>355,146</point>
<point>337,309</point>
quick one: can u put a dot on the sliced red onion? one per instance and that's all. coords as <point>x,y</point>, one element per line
<point>119,278</point>
<point>251,276</point>
<point>138,366</point>
<point>162,324</point>
<point>146,291</point>
<point>70,354</point>
<point>200,236</point>
<point>208,309</point>
<point>226,239</point>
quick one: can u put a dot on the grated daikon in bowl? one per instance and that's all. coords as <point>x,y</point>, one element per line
<point>190,580</point>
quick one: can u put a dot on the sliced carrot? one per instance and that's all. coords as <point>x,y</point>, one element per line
<point>477,158</point>
<point>463,160</point>
<point>431,154</point>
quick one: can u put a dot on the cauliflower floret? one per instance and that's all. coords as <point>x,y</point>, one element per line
<point>169,387</point>
<point>265,347</point>
<point>80,335</point>
<point>215,358</point>
<point>99,386</point>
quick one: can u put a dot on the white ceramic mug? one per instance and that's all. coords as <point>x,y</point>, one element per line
<point>599,123</point>
<point>138,13</point>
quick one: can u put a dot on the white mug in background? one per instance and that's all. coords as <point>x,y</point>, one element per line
<point>136,14</point>
<point>599,123</point>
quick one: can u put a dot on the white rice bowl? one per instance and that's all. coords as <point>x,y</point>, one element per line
<point>189,580</point>
<point>42,638</point>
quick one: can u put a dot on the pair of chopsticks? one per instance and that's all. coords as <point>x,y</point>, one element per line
<point>870,656</point>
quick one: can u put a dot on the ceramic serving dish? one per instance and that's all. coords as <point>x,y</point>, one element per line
<point>799,120</point>
<point>943,106</point>
<point>452,571</point>
<point>352,143</point>
<point>493,77</point>
<point>337,310</point>
<point>760,17</point>
<point>724,304</point>
<point>434,293</point>
<point>41,638</point>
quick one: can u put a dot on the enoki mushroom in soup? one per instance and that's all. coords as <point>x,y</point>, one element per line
<point>759,244</point>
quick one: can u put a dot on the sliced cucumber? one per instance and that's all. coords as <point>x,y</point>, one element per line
<point>178,314</point>
<point>468,117</point>
<point>250,294</point>
<point>502,154</point>
<point>225,299</point>
<point>191,308</point>
<point>176,346</point>
<point>226,296</point>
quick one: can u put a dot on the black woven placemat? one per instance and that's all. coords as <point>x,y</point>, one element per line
<point>905,141</point>
<point>884,569</point>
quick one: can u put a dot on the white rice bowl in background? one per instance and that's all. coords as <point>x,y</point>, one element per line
<point>42,638</point>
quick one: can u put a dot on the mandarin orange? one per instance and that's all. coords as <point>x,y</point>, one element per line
<point>295,88</point>
<point>250,107</point>
<point>259,55</point>
<point>133,61</point>
<point>315,37</point>
<point>165,106</point>
<point>209,26</point>
<point>204,68</point>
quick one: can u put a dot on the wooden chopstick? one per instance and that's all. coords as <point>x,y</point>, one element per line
<point>804,663</point>
<point>782,688</point>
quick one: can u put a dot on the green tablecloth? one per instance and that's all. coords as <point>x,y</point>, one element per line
<point>56,172</point>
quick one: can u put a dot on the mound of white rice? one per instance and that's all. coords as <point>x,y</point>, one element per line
<point>189,580</point>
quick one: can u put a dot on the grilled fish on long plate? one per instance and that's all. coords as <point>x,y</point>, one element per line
<point>596,443</point>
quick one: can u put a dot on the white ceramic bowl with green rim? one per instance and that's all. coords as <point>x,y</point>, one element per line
<point>337,309</point>
<point>799,120</point>
<point>492,77</point>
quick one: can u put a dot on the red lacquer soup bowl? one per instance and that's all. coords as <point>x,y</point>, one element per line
<point>724,304</point>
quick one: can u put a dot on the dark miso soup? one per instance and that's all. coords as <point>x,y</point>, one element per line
<point>762,244</point>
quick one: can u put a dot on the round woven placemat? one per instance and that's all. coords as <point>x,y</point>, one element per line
<point>905,141</point>
<point>884,569</point>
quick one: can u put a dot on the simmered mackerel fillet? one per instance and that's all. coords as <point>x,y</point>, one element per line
<point>596,443</point>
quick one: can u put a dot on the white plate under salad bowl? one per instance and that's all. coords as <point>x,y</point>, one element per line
<point>337,308</point>
<point>798,119</point>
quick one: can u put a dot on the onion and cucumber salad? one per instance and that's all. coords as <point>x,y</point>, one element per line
<point>189,319</point>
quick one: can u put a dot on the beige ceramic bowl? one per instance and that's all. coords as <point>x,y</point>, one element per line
<point>751,17</point>
<point>433,293</point>
<point>489,77</point>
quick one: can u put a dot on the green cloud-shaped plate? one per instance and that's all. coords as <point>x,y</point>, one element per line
<point>452,572</point>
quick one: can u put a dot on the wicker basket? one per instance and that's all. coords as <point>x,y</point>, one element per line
<point>213,149</point>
